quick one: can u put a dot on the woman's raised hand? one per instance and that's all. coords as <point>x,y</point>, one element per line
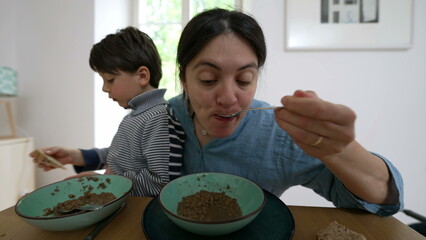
<point>320,128</point>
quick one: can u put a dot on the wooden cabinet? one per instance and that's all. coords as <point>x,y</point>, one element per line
<point>17,171</point>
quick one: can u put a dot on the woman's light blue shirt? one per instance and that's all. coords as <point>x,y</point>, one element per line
<point>264,153</point>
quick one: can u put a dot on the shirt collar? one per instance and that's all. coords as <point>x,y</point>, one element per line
<point>147,100</point>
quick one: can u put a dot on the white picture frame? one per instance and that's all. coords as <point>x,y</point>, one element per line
<point>392,28</point>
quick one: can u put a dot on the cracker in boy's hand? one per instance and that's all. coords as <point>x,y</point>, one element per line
<point>41,157</point>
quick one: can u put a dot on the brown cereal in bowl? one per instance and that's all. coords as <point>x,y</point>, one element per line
<point>209,207</point>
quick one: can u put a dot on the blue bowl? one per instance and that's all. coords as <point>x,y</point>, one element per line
<point>249,195</point>
<point>30,207</point>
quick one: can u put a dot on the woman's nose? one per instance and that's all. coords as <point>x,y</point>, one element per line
<point>227,95</point>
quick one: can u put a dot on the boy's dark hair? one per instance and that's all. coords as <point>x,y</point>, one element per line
<point>127,50</point>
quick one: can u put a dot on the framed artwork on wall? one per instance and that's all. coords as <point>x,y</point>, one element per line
<point>348,24</point>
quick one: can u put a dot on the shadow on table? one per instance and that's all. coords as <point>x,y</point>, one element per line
<point>419,227</point>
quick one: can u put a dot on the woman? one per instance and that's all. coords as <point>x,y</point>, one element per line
<point>307,142</point>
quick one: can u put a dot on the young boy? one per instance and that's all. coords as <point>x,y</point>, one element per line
<point>148,145</point>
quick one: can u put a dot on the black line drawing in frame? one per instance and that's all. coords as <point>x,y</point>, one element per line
<point>349,11</point>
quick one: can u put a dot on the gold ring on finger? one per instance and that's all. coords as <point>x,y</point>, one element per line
<point>318,141</point>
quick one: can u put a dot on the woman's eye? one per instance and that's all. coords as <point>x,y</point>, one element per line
<point>207,77</point>
<point>243,82</point>
<point>208,82</point>
<point>245,78</point>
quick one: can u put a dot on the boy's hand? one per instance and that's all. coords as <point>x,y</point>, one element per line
<point>62,155</point>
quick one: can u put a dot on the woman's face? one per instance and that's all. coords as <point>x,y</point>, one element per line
<point>221,79</point>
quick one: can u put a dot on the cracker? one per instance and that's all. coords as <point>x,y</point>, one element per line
<point>337,231</point>
<point>41,157</point>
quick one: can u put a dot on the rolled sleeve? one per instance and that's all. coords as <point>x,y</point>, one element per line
<point>396,180</point>
<point>330,187</point>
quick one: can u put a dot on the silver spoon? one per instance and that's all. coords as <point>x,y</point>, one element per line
<point>81,208</point>
<point>247,109</point>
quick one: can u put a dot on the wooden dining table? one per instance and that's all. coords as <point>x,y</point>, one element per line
<point>127,224</point>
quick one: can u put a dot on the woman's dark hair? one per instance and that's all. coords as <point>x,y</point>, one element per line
<point>211,23</point>
<point>127,50</point>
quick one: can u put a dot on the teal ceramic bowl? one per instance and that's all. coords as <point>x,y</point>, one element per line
<point>30,207</point>
<point>250,198</point>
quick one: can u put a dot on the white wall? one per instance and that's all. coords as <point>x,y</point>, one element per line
<point>385,88</point>
<point>51,43</point>
<point>50,40</point>
<point>8,36</point>
<point>109,17</point>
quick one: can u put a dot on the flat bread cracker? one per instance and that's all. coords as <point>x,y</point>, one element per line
<point>337,231</point>
<point>41,157</point>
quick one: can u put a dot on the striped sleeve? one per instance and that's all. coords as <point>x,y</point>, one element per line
<point>177,141</point>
